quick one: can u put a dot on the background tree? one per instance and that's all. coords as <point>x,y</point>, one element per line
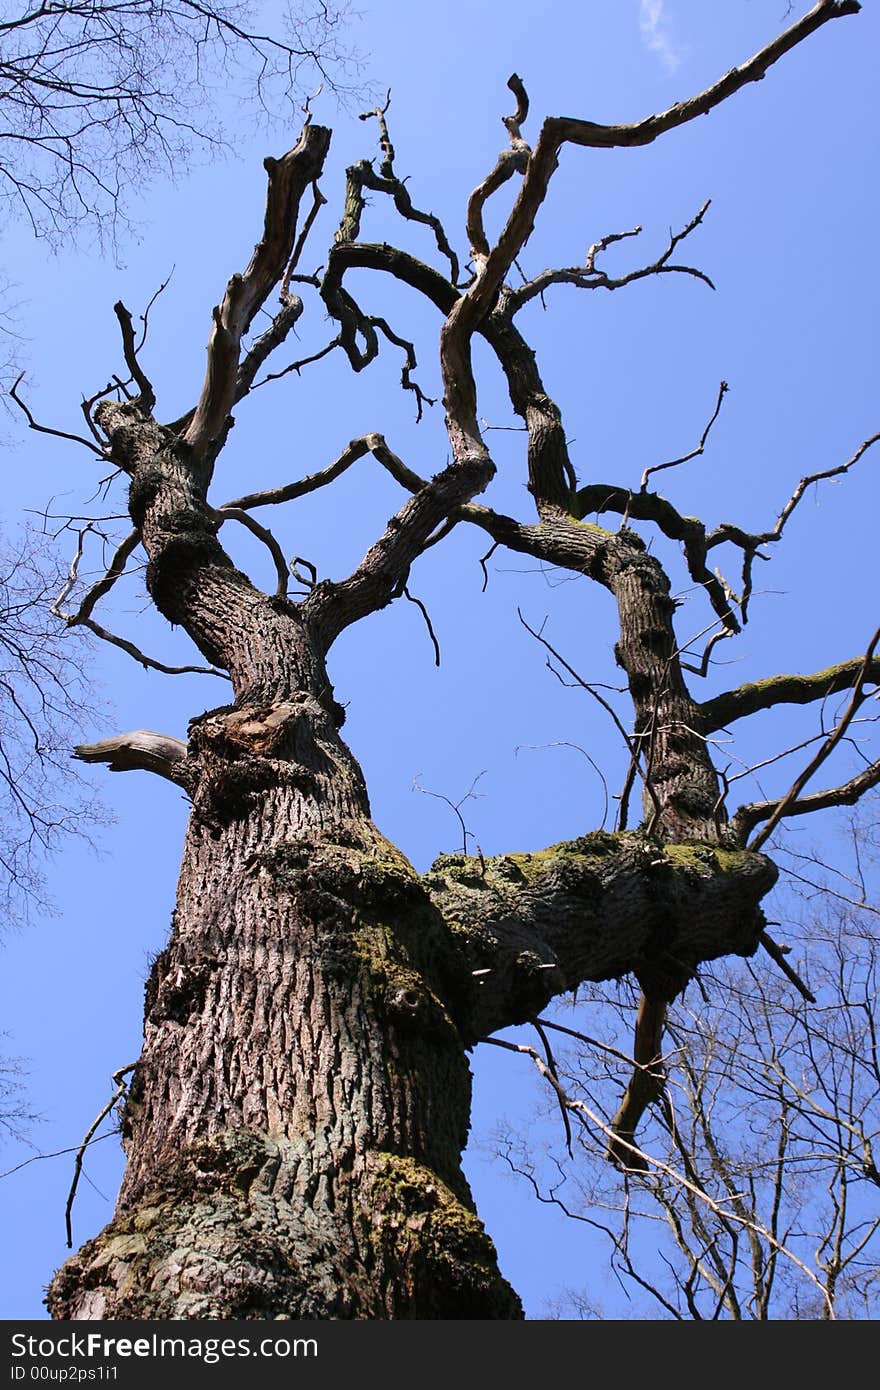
<point>437,552</point>
<point>98,98</point>
<point>769,1106</point>
<point>43,691</point>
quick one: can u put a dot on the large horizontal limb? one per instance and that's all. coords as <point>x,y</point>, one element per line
<point>536,925</point>
<point>724,710</point>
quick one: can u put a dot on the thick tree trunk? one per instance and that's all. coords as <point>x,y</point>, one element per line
<point>295,1124</point>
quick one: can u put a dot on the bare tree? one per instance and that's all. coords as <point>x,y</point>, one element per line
<point>43,698</point>
<point>753,1193</point>
<point>295,1123</point>
<point>97,97</point>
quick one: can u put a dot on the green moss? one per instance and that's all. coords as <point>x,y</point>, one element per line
<point>698,854</point>
<point>398,989</point>
<point>436,1246</point>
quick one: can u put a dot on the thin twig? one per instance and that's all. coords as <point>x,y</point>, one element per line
<point>694,453</point>
<point>424,612</point>
<point>119,1083</point>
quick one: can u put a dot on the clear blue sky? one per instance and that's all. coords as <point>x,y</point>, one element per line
<point>790,241</point>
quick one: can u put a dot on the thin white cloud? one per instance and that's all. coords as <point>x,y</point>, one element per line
<point>655,34</point>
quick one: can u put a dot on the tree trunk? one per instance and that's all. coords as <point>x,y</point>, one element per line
<point>295,1124</point>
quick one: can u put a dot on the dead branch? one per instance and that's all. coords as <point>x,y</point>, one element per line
<point>318,201</point>
<point>267,342</point>
<point>115,569</point>
<point>47,429</point>
<point>72,573</point>
<point>129,350</point>
<point>694,453</point>
<point>356,449</point>
<point>428,624</point>
<point>119,1083</point>
<point>587,277</point>
<point>387,181</point>
<point>777,954</point>
<point>288,179</point>
<point>511,161</point>
<point>807,482</point>
<point>301,362</point>
<point>139,751</point>
<point>384,570</point>
<point>408,367</point>
<point>263,534</point>
<point>148,662</point>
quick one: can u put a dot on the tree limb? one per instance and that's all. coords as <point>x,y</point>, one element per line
<point>148,662</point>
<point>289,177</point>
<point>745,700</point>
<point>646,1084</point>
<point>141,750</point>
<point>356,449</point>
<point>147,394</point>
<point>587,277</point>
<point>749,815</point>
<point>534,925</point>
<point>263,534</point>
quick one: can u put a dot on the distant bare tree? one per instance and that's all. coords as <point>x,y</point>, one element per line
<point>43,695</point>
<point>98,95</point>
<point>754,1190</point>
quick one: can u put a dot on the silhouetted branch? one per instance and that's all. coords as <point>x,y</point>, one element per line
<point>119,1083</point>
<point>587,277</point>
<point>147,394</point>
<point>694,453</point>
<point>47,429</point>
<point>356,449</point>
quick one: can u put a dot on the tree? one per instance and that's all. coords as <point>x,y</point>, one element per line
<point>43,693</point>
<point>294,1126</point>
<point>99,97</point>
<point>764,1202</point>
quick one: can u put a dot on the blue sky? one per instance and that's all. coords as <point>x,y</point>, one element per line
<point>790,242</point>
